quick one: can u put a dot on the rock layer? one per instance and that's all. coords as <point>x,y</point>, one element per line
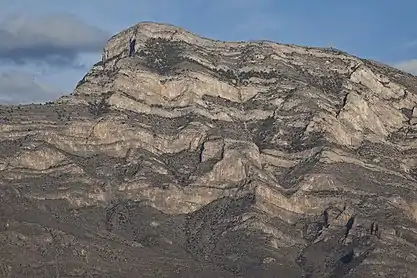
<point>203,158</point>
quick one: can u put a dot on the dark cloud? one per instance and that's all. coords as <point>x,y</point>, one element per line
<point>17,87</point>
<point>54,39</point>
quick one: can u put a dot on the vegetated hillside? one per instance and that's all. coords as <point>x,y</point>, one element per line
<point>202,158</point>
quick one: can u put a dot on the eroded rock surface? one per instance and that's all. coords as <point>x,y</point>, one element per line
<point>202,158</point>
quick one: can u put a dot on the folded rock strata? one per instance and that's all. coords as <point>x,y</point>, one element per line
<point>204,158</point>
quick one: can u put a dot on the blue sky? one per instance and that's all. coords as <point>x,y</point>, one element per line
<point>46,46</point>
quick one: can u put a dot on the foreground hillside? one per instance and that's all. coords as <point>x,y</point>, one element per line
<point>202,158</point>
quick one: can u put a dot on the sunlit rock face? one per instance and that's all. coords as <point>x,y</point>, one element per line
<point>203,158</point>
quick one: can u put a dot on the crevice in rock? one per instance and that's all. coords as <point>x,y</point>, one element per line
<point>342,105</point>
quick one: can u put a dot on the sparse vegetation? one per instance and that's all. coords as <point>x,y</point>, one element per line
<point>161,54</point>
<point>331,82</point>
<point>98,107</point>
<point>242,78</point>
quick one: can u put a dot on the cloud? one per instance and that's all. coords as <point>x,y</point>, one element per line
<point>411,44</point>
<point>18,87</point>
<point>409,66</point>
<point>55,39</point>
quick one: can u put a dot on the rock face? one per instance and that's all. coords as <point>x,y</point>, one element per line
<point>202,158</point>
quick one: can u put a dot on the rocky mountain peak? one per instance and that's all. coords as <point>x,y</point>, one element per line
<point>195,157</point>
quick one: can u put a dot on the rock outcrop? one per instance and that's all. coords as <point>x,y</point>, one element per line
<point>203,158</point>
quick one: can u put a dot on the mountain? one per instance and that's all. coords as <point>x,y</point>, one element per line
<point>204,158</point>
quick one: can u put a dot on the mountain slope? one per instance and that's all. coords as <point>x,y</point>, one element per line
<point>202,158</point>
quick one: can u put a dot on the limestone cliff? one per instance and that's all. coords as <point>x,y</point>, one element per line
<point>203,158</point>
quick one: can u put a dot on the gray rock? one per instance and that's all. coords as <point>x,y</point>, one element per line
<point>203,158</point>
